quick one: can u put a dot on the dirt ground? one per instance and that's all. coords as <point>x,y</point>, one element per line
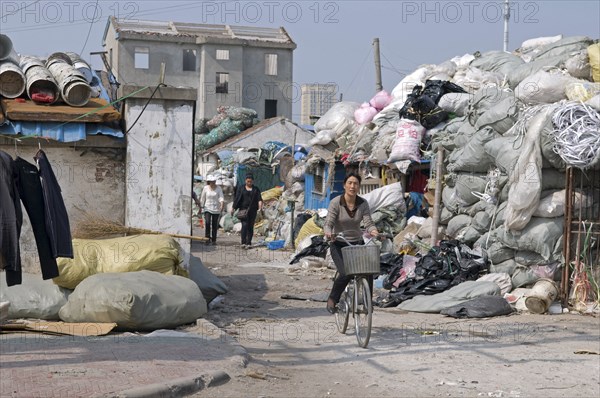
<point>295,350</point>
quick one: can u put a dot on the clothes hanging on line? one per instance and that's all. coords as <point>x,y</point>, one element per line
<point>11,220</point>
<point>40,193</point>
<point>57,220</point>
<point>30,191</point>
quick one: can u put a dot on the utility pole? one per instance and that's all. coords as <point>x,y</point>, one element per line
<point>378,84</point>
<point>506,19</point>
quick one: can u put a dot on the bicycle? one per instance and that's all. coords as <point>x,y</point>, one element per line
<point>359,262</point>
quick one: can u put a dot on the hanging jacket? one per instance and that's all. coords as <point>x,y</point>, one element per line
<point>11,219</point>
<point>57,220</point>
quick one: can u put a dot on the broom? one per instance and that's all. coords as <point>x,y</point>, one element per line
<point>94,226</point>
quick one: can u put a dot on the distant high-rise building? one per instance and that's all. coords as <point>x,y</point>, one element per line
<point>316,100</point>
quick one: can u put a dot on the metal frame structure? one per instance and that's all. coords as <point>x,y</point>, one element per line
<point>581,244</point>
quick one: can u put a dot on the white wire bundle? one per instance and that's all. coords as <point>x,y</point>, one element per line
<point>577,134</point>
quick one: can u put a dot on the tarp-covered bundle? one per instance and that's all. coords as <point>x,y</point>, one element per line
<point>228,122</point>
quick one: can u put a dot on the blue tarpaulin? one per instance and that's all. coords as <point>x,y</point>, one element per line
<point>58,131</point>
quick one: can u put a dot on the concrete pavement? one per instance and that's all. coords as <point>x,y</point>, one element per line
<point>165,364</point>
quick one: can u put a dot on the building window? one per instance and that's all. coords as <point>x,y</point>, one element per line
<point>270,108</point>
<point>223,55</point>
<point>189,60</point>
<point>271,64</point>
<point>142,58</point>
<point>319,179</point>
<point>222,83</point>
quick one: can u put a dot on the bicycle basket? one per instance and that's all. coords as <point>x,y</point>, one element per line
<point>361,259</point>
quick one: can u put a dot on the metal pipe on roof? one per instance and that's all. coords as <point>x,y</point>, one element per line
<point>41,86</point>
<point>74,88</point>
<point>12,80</point>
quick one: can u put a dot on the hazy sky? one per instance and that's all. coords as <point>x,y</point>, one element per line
<point>334,38</point>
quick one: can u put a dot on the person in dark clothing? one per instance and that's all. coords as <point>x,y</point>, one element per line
<point>30,190</point>
<point>11,220</point>
<point>248,197</point>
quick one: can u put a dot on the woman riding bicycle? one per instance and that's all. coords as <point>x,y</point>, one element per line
<point>345,214</point>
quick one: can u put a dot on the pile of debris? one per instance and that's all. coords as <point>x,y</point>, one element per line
<point>510,124</point>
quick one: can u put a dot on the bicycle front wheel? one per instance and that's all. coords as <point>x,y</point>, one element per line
<point>363,311</point>
<point>343,313</point>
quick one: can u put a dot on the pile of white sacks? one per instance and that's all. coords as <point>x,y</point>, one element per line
<point>504,187</point>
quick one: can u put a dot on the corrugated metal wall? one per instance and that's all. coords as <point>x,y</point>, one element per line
<point>316,201</point>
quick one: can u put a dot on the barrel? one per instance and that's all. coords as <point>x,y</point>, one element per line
<point>81,66</point>
<point>541,296</point>
<point>6,47</point>
<point>74,88</point>
<point>12,80</point>
<point>58,58</point>
<point>41,85</point>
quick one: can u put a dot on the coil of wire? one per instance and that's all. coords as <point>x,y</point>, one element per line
<point>577,134</point>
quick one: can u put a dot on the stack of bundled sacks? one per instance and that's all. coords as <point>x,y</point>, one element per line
<point>505,184</point>
<point>510,123</point>
<point>228,122</point>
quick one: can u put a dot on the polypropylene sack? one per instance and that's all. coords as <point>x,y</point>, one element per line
<point>340,111</point>
<point>472,157</point>
<point>309,228</point>
<point>539,41</point>
<point>159,253</point>
<point>140,301</point>
<point>388,195</point>
<point>541,235</point>
<point>457,103</point>
<point>525,180</point>
<point>35,298</point>
<point>582,91</point>
<point>544,87</point>
<point>594,57</point>
<point>579,66</point>
<point>210,285</point>
<point>407,141</point>
<point>480,307</point>
<point>497,61</point>
<point>500,117</point>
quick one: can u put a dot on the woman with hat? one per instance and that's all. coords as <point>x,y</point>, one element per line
<point>211,201</point>
<point>248,200</point>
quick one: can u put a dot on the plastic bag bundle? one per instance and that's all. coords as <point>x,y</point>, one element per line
<point>364,114</point>
<point>380,100</point>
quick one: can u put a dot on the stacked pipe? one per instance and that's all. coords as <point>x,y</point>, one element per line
<point>41,85</point>
<point>12,79</point>
<point>74,87</point>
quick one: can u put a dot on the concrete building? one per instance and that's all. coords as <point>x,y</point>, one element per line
<point>316,100</point>
<point>227,65</point>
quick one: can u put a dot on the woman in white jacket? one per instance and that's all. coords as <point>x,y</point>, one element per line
<point>211,203</point>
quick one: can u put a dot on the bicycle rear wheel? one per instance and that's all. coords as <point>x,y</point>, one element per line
<point>363,311</point>
<point>343,313</point>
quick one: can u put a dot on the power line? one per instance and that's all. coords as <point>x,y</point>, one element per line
<point>84,21</point>
<point>359,69</point>
<point>392,65</point>
<point>19,9</point>
<point>90,29</point>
